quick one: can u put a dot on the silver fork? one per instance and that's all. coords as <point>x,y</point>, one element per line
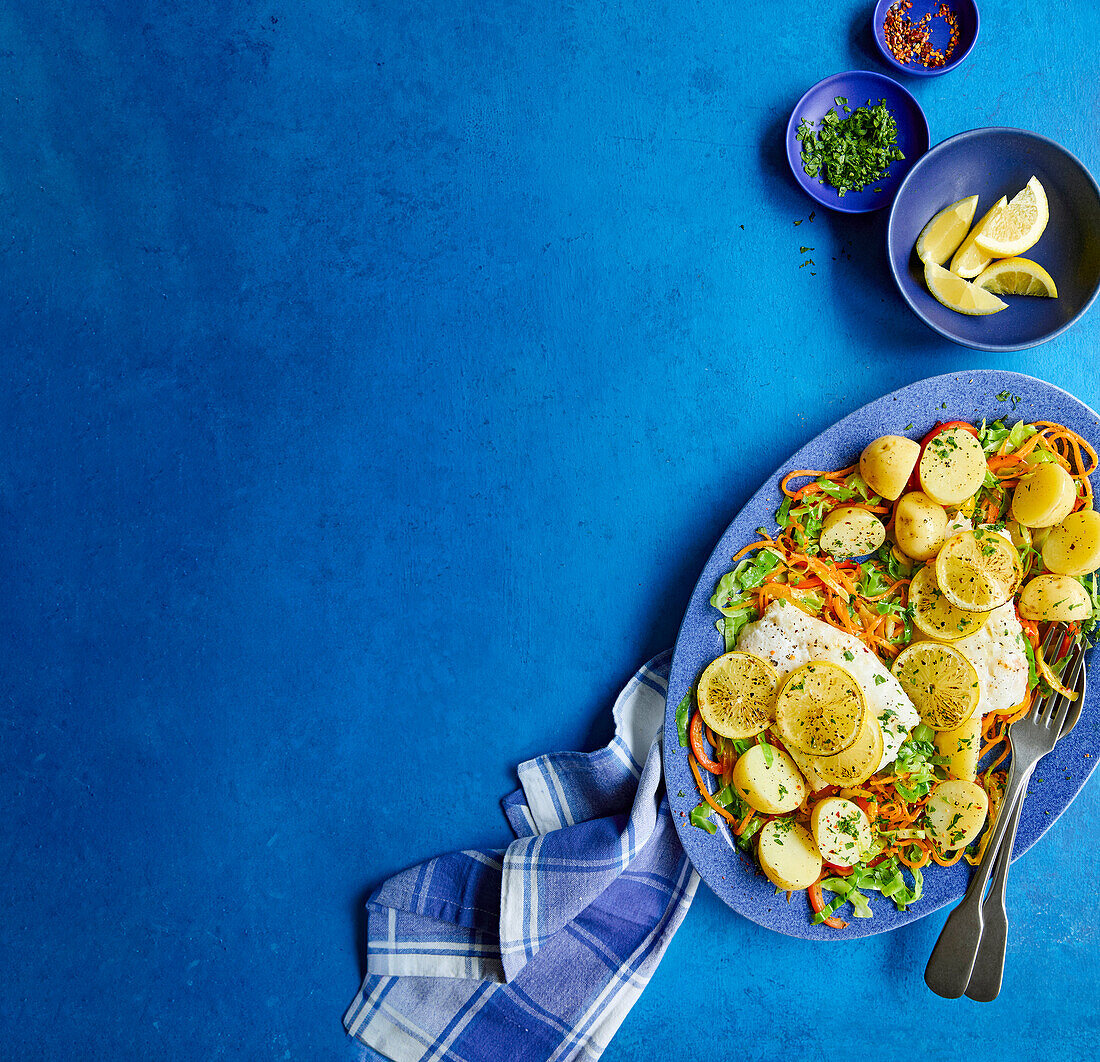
<point>952,960</point>
<point>985,981</point>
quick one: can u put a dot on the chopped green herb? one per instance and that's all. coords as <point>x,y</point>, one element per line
<point>853,152</point>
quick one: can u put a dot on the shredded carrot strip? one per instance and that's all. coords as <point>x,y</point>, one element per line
<point>948,862</point>
<point>705,793</point>
<point>914,863</point>
<point>695,739</point>
<point>1073,440</point>
<point>802,473</point>
<point>998,463</point>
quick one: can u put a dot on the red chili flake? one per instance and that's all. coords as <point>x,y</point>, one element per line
<point>910,42</point>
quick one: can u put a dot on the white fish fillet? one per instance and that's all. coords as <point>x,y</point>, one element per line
<point>789,638</point>
<point>997,650</point>
<point>998,655</point>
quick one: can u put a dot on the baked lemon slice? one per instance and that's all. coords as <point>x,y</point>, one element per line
<point>1019,226</point>
<point>856,763</point>
<point>978,571</point>
<point>940,238</point>
<point>1017,276</point>
<point>970,259</point>
<point>960,295</point>
<point>820,709</point>
<point>934,616</point>
<point>941,683</point>
<point>736,695</point>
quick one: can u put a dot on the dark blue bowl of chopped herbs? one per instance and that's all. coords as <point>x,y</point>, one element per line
<point>925,38</point>
<point>852,139</point>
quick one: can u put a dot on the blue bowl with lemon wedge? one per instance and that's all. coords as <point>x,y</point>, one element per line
<point>985,200</point>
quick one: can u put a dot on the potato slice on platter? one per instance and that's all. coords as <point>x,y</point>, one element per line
<point>841,829</point>
<point>952,467</point>
<point>820,709</point>
<point>1044,497</point>
<point>769,780</point>
<point>1073,546</point>
<point>736,694</point>
<point>920,525</point>
<point>956,813</point>
<point>788,855</point>
<point>1055,598</point>
<point>851,531</point>
<point>962,746</point>
<point>887,463</point>
<point>978,571</point>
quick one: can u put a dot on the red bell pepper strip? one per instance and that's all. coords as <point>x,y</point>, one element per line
<point>695,734</point>
<point>817,902</point>
<point>941,427</point>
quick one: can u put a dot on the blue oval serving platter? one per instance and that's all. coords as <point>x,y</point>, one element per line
<point>912,411</point>
<point>859,87</point>
<point>990,163</point>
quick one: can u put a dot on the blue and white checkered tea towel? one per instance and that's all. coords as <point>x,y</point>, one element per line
<point>538,951</point>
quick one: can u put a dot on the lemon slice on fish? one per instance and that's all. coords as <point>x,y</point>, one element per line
<point>978,571</point>
<point>736,695</point>
<point>934,616</point>
<point>941,683</point>
<point>856,763</point>
<point>820,709</point>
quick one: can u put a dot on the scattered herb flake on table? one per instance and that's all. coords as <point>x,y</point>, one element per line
<point>853,152</point>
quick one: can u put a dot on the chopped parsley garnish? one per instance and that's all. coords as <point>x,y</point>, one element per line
<point>852,152</point>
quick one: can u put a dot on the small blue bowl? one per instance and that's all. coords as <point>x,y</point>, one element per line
<point>966,11</point>
<point>859,87</point>
<point>994,162</point>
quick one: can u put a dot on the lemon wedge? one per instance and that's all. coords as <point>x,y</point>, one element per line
<point>1016,276</point>
<point>958,294</point>
<point>970,259</point>
<point>1018,226</point>
<point>940,238</point>
<point>736,694</point>
<point>941,683</point>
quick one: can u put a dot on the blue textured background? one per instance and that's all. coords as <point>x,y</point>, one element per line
<point>377,379</point>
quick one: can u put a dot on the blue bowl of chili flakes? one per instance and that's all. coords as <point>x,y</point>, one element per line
<point>925,39</point>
